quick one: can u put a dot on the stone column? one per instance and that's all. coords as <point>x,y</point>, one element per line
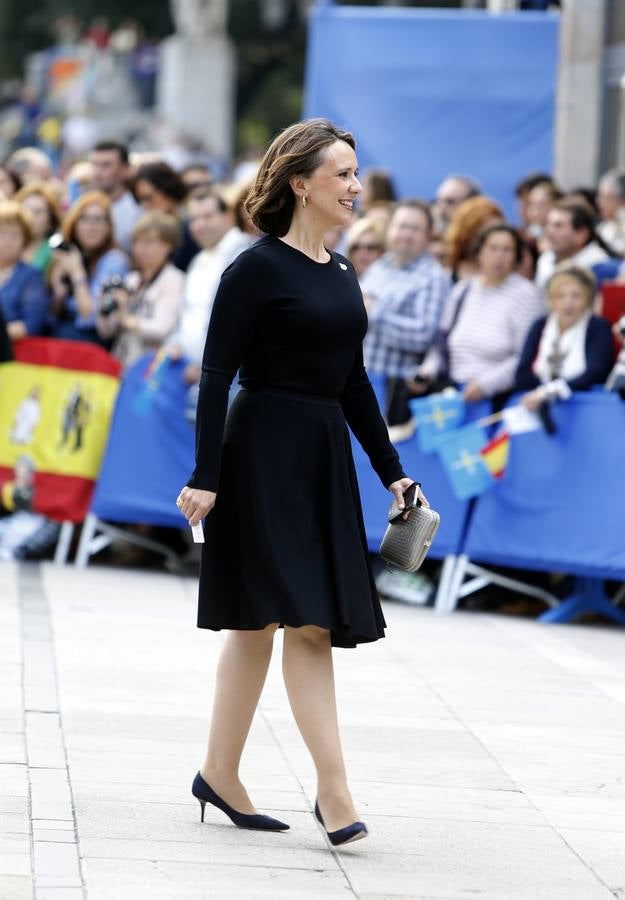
<point>580,96</point>
<point>196,88</point>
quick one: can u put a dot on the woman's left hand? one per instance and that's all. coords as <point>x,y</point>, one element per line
<point>398,489</point>
<point>473,392</point>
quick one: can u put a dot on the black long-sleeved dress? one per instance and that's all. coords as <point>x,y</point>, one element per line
<point>285,541</point>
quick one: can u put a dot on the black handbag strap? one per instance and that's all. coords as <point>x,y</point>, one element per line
<point>442,337</point>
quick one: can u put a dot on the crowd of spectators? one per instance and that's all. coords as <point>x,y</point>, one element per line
<point>129,257</point>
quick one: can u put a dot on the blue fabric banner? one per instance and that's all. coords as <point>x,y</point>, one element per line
<point>430,92</point>
<point>561,506</point>
<point>150,452</point>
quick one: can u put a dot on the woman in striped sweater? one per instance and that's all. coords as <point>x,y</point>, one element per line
<point>485,322</point>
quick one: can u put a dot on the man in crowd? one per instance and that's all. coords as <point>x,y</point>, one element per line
<point>611,204</point>
<point>30,164</point>
<point>570,231</point>
<point>524,188</point>
<point>111,173</point>
<point>212,227</point>
<point>404,292</point>
<point>196,175</point>
<point>451,192</point>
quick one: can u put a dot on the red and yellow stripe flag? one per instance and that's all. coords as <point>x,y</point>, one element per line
<point>495,454</point>
<point>56,402</point>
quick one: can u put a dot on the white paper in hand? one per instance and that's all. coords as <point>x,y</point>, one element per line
<point>198,533</point>
<point>518,420</point>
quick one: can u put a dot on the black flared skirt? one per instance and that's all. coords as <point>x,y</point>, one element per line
<point>285,541</point>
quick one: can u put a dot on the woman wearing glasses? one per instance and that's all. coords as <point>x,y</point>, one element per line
<point>82,265</point>
<point>365,243</point>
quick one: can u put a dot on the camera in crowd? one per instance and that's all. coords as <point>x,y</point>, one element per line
<point>108,299</point>
<point>56,242</point>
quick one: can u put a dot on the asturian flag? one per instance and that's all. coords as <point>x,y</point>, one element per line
<point>436,417</point>
<point>462,459</point>
<point>56,401</point>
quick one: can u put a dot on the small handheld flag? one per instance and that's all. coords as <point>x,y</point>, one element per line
<point>466,468</point>
<point>436,417</point>
<point>495,454</point>
<point>151,382</point>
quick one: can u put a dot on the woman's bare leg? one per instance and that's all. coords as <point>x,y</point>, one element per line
<point>309,680</point>
<point>241,674</point>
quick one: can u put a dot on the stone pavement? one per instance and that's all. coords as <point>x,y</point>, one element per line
<point>486,754</point>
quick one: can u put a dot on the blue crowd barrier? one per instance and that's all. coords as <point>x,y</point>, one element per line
<point>150,452</point>
<point>560,506</point>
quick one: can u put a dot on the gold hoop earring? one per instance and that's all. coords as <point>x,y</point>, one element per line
<point>304,201</point>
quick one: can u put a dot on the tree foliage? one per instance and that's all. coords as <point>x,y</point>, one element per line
<point>27,26</point>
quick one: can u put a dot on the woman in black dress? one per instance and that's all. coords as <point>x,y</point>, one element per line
<point>285,540</point>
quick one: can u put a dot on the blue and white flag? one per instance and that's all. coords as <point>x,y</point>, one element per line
<point>436,416</point>
<point>464,464</point>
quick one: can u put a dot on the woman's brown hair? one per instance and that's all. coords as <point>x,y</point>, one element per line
<point>499,228</point>
<point>71,221</point>
<point>467,222</point>
<point>11,213</point>
<point>41,189</point>
<point>298,150</point>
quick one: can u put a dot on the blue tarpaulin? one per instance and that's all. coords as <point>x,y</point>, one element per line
<point>429,92</point>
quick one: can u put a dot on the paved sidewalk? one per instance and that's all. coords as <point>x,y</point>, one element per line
<point>486,754</point>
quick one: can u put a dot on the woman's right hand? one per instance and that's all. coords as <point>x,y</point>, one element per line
<point>195,504</point>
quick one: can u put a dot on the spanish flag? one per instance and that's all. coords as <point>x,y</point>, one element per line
<point>56,402</point>
<point>495,454</point>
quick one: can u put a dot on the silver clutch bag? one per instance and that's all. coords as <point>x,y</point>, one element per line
<point>406,541</point>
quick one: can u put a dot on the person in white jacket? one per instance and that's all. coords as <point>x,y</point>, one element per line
<point>212,227</point>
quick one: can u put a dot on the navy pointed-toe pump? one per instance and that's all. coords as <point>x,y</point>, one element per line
<point>205,794</point>
<point>353,832</point>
